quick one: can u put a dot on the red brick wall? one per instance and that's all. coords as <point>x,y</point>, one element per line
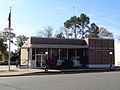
<point>99,51</point>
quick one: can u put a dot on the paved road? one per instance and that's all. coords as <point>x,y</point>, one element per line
<point>83,81</point>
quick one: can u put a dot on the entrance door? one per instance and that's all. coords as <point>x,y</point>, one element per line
<point>40,60</point>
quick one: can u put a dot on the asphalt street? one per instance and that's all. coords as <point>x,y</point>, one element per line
<point>81,81</point>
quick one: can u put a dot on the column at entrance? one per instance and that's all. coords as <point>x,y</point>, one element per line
<point>30,58</point>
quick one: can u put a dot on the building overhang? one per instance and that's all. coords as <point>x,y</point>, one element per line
<point>56,46</point>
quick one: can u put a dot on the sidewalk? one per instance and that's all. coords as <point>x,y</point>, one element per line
<point>27,72</point>
<point>24,72</point>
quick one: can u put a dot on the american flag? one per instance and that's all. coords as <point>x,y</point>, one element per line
<point>9,19</point>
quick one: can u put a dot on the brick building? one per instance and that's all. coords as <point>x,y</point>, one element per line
<point>93,53</point>
<point>117,53</point>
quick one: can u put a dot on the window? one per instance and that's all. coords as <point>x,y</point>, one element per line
<point>63,54</point>
<point>33,53</point>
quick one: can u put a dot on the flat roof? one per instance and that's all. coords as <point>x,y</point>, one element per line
<point>56,46</point>
<point>60,41</point>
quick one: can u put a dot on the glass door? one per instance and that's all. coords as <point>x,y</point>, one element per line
<point>40,60</point>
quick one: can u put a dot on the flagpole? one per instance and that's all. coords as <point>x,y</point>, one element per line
<point>9,49</point>
<point>9,29</point>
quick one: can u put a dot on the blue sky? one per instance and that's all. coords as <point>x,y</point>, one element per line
<point>29,16</point>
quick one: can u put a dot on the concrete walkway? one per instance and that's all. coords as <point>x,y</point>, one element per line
<point>14,71</point>
<point>25,72</point>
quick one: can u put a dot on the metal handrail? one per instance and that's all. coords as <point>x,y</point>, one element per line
<point>26,60</point>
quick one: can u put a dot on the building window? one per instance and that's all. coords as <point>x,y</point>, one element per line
<point>80,52</point>
<point>41,50</point>
<point>55,53</point>
<point>63,54</point>
<point>71,54</point>
<point>33,53</point>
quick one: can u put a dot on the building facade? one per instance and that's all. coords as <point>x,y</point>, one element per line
<point>67,53</point>
<point>117,53</point>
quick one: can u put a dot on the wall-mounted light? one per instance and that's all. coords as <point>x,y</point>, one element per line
<point>46,52</point>
<point>111,53</point>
